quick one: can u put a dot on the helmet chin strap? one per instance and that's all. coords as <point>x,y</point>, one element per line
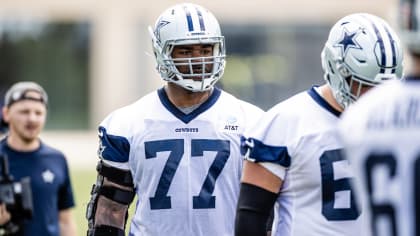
<point>343,101</point>
<point>193,88</point>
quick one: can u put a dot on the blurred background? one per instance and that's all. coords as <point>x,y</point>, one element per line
<point>94,56</point>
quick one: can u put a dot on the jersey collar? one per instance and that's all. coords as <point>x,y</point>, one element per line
<point>322,102</point>
<point>186,118</point>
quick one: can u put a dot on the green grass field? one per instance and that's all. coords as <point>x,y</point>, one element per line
<point>82,181</point>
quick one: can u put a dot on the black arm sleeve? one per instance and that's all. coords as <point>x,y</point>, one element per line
<point>270,220</point>
<point>253,210</point>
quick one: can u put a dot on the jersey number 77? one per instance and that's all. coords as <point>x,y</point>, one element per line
<point>204,199</point>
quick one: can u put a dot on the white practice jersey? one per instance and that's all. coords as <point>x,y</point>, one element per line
<point>297,140</point>
<point>186,167</point>
<point>381,133</point>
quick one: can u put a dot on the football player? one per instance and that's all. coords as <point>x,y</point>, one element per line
<point>294,158</point>
<point>178,148</point>
<point>383,145</point>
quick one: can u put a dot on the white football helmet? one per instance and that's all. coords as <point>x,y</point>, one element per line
<point>188,24</point>
<point>409,22</point>
<point>361,50</point>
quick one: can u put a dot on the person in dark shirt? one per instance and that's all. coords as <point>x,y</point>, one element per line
<point>24,111</point>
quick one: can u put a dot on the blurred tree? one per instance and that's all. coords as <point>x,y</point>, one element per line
<point>56,55</point>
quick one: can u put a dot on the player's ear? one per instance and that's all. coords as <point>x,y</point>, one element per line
<point>5,114</point>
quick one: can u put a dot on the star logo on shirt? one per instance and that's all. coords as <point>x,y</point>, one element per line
<point>48,176</point>
<point>348,41</point>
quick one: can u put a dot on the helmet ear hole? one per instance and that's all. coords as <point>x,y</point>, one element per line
<point>343,70</point>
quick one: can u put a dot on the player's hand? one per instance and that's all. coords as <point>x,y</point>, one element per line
<point>4,214</point>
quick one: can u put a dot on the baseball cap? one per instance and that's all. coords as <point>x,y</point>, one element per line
<point>18,92</point>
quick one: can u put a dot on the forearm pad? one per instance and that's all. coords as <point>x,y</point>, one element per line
<point>105,230</point>
<point>110,197</point>
<point>253,210</point>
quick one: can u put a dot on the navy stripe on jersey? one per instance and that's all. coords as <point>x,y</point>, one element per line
<point>265,153</point>
<point>189,19</point>
<point>394,57</point>
<point>186,118</point>
<point>113,148</point>
<point>201,20</point>
<point>321,101</point>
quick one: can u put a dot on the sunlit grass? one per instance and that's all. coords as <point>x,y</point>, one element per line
<point>82,181</point>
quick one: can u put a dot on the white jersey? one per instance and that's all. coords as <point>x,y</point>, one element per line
<point>186,167</point>
<point>382,135</point>
<point>297,141</point>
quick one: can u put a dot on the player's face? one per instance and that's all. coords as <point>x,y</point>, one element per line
<point>197,59</point>
<point>26,118</point>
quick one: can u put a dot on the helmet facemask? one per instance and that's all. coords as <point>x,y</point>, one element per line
<point>194,73</point>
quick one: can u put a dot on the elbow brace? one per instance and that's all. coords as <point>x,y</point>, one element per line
<point>111,192</point>
<point>254,207</point>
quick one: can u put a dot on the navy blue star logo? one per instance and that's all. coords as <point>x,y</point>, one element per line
<point>158,27</point>
<point>348,41</point>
